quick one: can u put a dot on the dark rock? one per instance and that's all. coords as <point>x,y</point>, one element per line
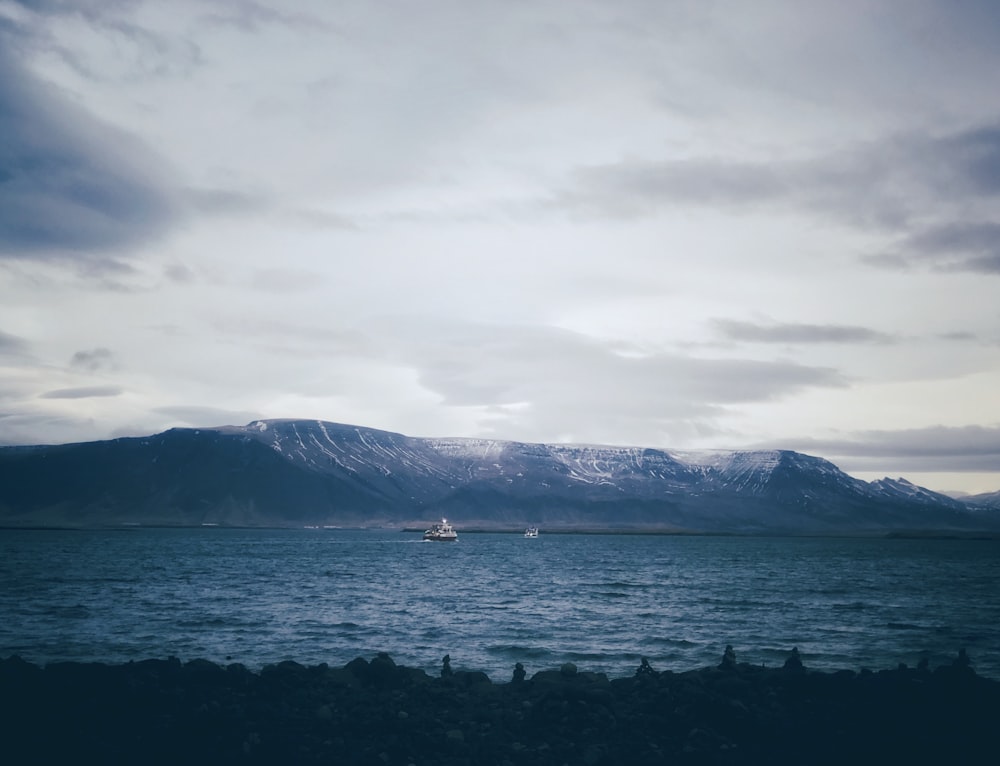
<point>471,677</point>
<point>161,712</point>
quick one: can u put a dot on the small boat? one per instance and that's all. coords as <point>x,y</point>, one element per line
<point>531,532</point>
<point>443,532</point>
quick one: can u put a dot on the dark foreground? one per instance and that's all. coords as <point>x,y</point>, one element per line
<point>168,712</point>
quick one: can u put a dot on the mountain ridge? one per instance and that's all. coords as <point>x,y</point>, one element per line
<point>294,472</point>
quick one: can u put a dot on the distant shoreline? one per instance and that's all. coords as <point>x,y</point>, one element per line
<point>929,534</point>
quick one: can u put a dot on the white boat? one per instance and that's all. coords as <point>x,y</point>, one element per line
<point>531,532</point>
<point>443,532</point>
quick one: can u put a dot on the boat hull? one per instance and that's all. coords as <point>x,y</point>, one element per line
<point>442,532</point>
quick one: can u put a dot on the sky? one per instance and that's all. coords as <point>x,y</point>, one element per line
<point>678,224</point>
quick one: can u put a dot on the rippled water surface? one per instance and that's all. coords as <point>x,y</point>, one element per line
<point>490,600</point>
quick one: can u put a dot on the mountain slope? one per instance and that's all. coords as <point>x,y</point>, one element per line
<point>984,500</point>
<point>296,472</point>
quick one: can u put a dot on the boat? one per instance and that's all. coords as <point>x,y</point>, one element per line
<point>443,532</point>
<point>531,532</point>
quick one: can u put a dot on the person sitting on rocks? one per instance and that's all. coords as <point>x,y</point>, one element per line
<point>728,659</point>
<point>645,669</point>
<point>794,661</point>
<point>519,673</point>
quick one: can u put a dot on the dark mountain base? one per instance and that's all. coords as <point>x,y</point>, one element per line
<point>163,711</point>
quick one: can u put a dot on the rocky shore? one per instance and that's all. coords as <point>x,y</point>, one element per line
<point>379,713</point>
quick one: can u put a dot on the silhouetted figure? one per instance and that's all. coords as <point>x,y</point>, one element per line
<point>519,673</point>
<point>446,666</point>
<point>924,665</point>
<point>962,661</point>
<point>645,669</point>
<point>794,662</point>
<point>728,659</point>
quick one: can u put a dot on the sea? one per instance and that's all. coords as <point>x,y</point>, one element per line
<point>490,600</point>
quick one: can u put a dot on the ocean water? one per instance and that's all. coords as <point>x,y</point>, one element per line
<point>490,600</point>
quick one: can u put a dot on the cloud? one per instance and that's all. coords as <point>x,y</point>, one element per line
<point>956,246</point>
<point>70,185</point>
<point>200,416</point>
<point>225,202</point>
<point>82,392</point>
<point>232,203</point>
<point>931,449</point>
<point>960,336</point>
<point>971,159</point>
<point>539,380</point>
<point>287,280</point>
<point>251,16</point>
<point>12,345</point>
<point>42,428</point>
<point>798,333</point>
<point>93,360</point>
<point>139,51</point>
<point>888,185</point>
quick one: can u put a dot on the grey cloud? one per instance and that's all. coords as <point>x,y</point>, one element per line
<point>12,345</point>
<point>959,335</point>
<point>886,185</point>
<point>857,187</point>
<point>250,16</point>
<point>798,333</point>
<point>83,392</point>
<point>147,53</point>
<point>936,448</point>
<point>40,428</point>
<point>178,273</point>
<point>86,8</point>
<point>320,219</point>
<point>68,183</point>
<point>93,360</point>
<point>637,188</point>
<point>957,246</point>
<point>225,201</point>
<point>236,203</point>
<point>207,416</point>
<point>972,159</point>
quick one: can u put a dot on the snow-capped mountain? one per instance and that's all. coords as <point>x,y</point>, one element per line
<point>984,500</point>
<point>295,472</point>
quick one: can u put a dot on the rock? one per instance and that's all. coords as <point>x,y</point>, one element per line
<point>161,712</point>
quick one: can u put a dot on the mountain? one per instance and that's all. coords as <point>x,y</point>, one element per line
<point>985,500</point>
<point>297,472</point>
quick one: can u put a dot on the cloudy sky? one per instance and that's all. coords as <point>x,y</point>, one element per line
<point>669,223</point>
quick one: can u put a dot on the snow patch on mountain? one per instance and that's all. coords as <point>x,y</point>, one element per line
<point>478,449</point>
<point>901,488</point>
